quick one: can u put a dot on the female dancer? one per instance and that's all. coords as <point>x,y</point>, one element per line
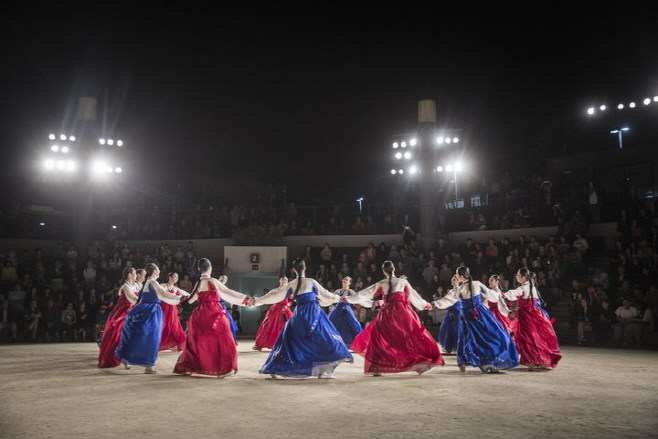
<point>342,315</point>
<point>114,324</point>
<point>498,308</point>
<point>210,347</point>
<point>449,329</point>
<point>396,341</point>
<point>482,341</point>
<point>274,321</point>
<point>173,335</point>
<point>223,279</point>
<point>142,330</point>
<point>140,278</point>
<point>534,333</point>
<point>309,345</point>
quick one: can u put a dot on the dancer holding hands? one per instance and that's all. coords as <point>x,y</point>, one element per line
<point>309,345</point>
<point>210,348</point>
<point>173,335</point>
<point>274,321</point>
<point>396,341</point>
<point>342,316</point>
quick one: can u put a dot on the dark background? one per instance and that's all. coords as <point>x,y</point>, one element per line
<point>226,100</point>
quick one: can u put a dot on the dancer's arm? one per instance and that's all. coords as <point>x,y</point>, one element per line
<point>486,292</point>
<point>325,297</point>
<point>129,292</point>
<point>274,295</point>
<point>515,293</point>
<point>162,293</point>
<point>364,296</point>
<point>414,298</point>
<point>228,294</point>
<point>448,300</point>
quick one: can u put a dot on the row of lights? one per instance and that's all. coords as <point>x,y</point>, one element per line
<point>62,137</point>
<point>439,141</point>
<point>413,169</point>
<point>647,101</point>
<point>98,167</point>
<point>110,142</point>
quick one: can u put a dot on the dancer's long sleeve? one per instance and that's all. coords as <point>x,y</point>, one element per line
<point>130,293</point>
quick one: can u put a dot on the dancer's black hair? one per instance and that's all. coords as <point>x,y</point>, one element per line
<point>466,273</point>
<point>126,272</point>
<point>388,267</point>
<point>299,266</point>
<point>203,265</point>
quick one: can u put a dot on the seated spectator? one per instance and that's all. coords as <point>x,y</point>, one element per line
<point>68,322</point>
<point>8,321</point>
<point>430,271</point>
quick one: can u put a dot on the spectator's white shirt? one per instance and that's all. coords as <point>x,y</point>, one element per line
<point>629,313</point>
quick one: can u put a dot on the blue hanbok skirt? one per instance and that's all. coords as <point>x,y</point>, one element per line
<point>232,324</point>
<point>342,317</point>
<point>482,339</point>
<point>141,333</point>
<point>449,329</point>
<point>308,345</point>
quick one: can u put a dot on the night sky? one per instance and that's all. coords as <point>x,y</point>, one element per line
<point>311,98</point>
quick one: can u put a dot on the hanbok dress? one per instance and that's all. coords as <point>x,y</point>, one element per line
<point>308,345</point>
<point>209,347</point>
<point>449,329</point>
<point>128,296</point>
<point>533,330</point>
<point>173,334</point>
<point>273,324</point>
<point>499,309</point>
<point>343,319</point>
<point>396,340</point>
<point>142,330</point>
<point>482,341</point>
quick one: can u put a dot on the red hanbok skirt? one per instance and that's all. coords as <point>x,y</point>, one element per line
<point>534,335</point>
<point>397,341</point>
<point>209,347</point>
<point>173,335</point>
<point>272,325</point>
<point>112,333</point>
<point>504,320</point>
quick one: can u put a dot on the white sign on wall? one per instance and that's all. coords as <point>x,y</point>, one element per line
<point>248,259</point>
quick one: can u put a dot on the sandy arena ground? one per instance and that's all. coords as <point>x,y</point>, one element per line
<point>55,390</point>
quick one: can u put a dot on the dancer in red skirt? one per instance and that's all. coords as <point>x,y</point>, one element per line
<point>114,324</point>
<point>209,347</point>
<point>396,341</point>
<point>173,335</point>
<point>498,308</point>
<point>534,334</point>
<point>274,321</point>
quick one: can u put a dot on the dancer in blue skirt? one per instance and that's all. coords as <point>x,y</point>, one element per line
<point>449,329</point>
<point>482,341</point>
<point>142,330</point>
<point>309,345</point>
<point>342,316</point>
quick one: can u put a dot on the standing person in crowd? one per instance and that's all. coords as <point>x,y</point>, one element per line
<point>309,345</point>
<point>274,321</point>
<point>128,296</point>
<point>396,341</point>
<point>533,330</point>
<point>210,347</point>
<point>625,324</point>
<point>342,316</point>
<point>482,342</point>
<point>142,329</point>
<point>173,335</point>
<point>449,329</point>
<point>32,318</point>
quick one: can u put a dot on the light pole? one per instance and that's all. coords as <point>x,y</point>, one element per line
<point>360,200</point>
<point>619,133</point>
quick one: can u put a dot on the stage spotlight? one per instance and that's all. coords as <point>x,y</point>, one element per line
<point>413,169</point>
<point>54,148</point>
<point>65,149</point>
<point>590,110</point>
<point>119,142</point>
<point>602,107</point>
<point>407,155</point>
<point>631,105</point>
<point>62,137</point>
<point>412,142</point>
<point>393,171</point>
<point>440,140</point>
<point>49,164</point>
<point>439,169</point>
<point>118,170</point>
<point>110,142</point>
<point>398,155</point>
<point>101,141</point>
<point>395,145</point>
<point>647,101</point>
<point>52,137</point>
<point>72,138</point>
<point>620,106</point>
